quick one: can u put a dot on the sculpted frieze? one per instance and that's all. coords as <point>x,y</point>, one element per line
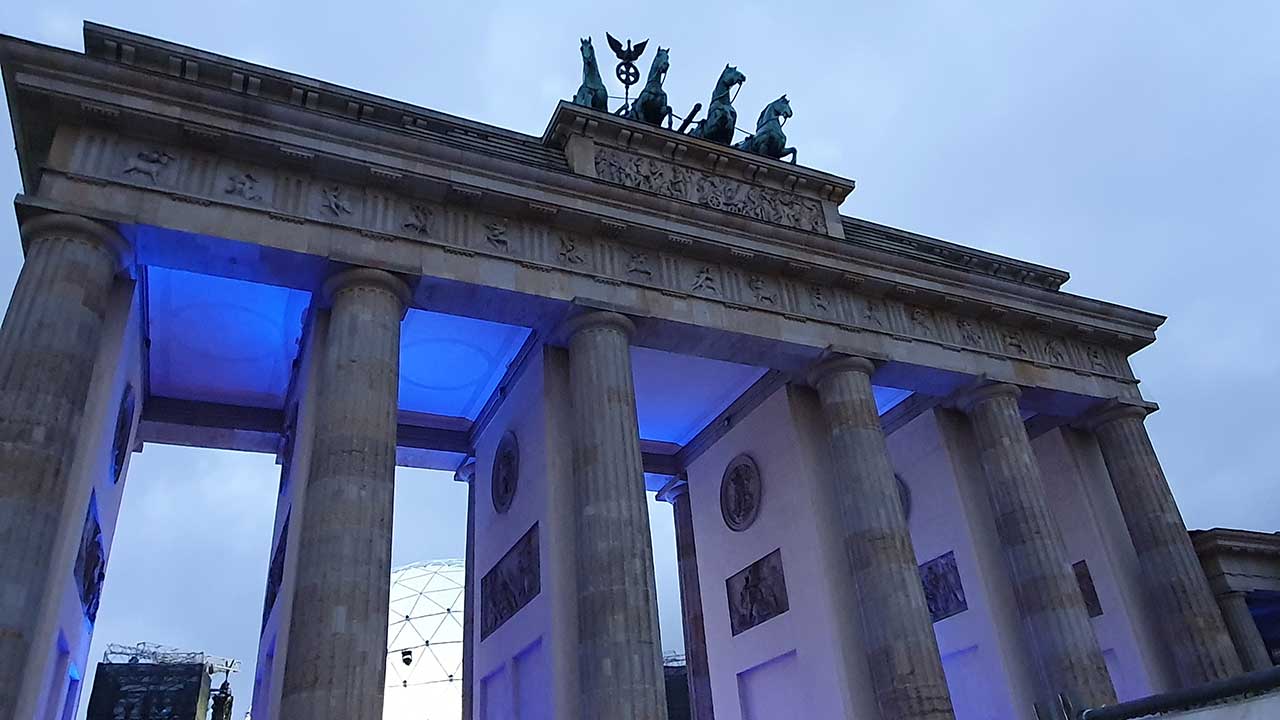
<point>721,193</point>
<point>288,194</point>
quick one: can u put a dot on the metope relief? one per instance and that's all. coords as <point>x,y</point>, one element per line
<point>510,584</point>
<point>943,592</point>
<point>757,593</point>
<point>147,164</point>
<point>506,472</point>
<point>740,492</point>
<point>721,193</point>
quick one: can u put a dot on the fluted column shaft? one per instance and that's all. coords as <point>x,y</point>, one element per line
<point>48,346</point>
<point>695,632</point>
<point>467,474</point>
<point>902,652</point>
<point>336,664</point>
<point>620,658</point>
<point>1174,579</point>
<point>1055,618</point>
<point>1244,631</point>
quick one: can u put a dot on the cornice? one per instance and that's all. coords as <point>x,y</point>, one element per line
<point>328,143</point>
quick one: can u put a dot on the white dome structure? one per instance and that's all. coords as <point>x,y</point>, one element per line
<point>424,642</point>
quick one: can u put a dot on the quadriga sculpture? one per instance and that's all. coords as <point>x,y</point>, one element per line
<point>769,140</point>
<point>592,92</point>
<point>721,118</point>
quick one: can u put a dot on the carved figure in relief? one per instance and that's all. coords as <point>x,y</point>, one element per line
<point>639,265</point>
<point>592,93</point>
<point>873,313</point>
<point>816,298</point>
<point>569,251</point>
<point>245,185</point>
<point>969,332</point>
<point>721,118</point>
<point>148,164</point>
<point>332,200</point>
<point>1053,351</point>
<point>761,291</point>
<point>922,321</point>
<point>759,203</point>
<point>704,281</point>
<point>769,139</point>
<point>496,233</point>
<point>651,105</point>
<point>1096,361</point>
<point>421,217</point>
<point>1013,340</point>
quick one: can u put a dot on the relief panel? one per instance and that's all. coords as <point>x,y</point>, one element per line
<point>757,593</point>
<point>515,580</point>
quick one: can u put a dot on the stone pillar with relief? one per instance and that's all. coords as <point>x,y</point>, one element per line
<point>620,656</point>
<point>902,652</point>
<point>336,664</point>
<point>695,632</point>
<point>1174,579</point>
<point>48,347</point>
<point>1055,618</point>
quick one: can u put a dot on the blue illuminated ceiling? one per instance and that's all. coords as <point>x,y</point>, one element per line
<point>450,365</point>
<point>219,340</point>
<point>677,395</point>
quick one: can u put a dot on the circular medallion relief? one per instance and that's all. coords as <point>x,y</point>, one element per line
<point>124,424</point>
<point>740,493</point>
<point>506,472</point>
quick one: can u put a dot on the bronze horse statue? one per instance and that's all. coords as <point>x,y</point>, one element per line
<point>592,93</point>
<point>769,140</point>
<point>721,118</point>
<point>651,105</point>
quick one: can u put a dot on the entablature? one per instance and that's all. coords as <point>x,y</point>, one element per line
<point>299,165</point>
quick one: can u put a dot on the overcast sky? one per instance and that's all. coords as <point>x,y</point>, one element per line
<point>1135,147</point>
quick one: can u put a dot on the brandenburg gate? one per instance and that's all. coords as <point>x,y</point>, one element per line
<point>910,480</point>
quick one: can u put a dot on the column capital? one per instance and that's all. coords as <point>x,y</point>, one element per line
<point>366,277</point>
<point>839,363</point>
<point>62,224</point>
<point>466,472</point>
<point>1111,410</point>
<point>967,400</point>
<point>675,488</point>
<point>597,318</point>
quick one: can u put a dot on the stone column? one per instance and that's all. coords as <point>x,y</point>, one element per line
<point>1054,615</point>
<point>1175,582</point>
<point>902,652</point>
<point>620,657</point>
<point>695,633</point>
<point>467,474</point>
<point>1244,631</point>
<point>48,346</point>
<point>336,665</point>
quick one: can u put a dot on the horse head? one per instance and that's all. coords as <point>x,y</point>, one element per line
<point>661,64</point>
<point>588,52</point>
<point>778,108</point>
<point>731,77</point>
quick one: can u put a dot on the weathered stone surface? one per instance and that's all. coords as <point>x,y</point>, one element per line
<point>335,666</point>
<point>695,631</point>
<point>1053,610</point>
<point>1175,582</point>
<point>620,659</point>
<point>1244,632</point>
<point>48,345</point>
<point>902,652</point>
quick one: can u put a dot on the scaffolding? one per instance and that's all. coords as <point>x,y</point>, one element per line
<point>165,655</point>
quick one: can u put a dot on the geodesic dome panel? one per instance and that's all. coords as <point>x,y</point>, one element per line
<point>424,642</point>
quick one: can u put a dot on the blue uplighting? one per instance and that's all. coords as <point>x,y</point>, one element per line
<point>450,365</point>
<point>220,340</point>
